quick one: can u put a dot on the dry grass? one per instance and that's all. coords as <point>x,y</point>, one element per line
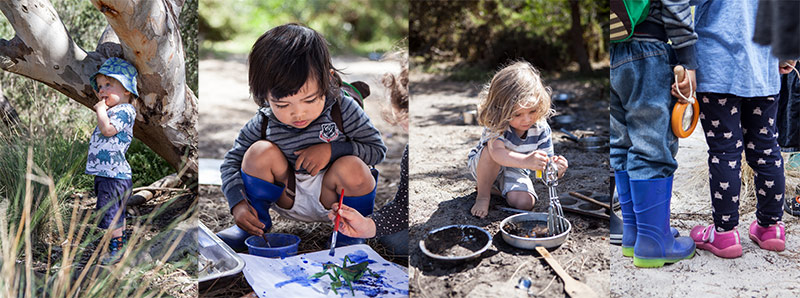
<point>71,274</point>
<point>747,196</point>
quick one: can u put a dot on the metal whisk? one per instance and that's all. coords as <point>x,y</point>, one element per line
<point>555,215</point>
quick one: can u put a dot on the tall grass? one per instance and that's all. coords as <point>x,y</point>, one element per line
<point>36,206</point>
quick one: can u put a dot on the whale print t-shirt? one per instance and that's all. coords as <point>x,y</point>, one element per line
<point>107,154</point>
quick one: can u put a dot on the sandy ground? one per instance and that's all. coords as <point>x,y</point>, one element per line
<point>442,194</point>
<point>758,273</point>
<point>225,106</point>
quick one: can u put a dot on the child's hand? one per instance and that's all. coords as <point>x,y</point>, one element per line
<point>561,164</point>
<point>786,66</point>
<point>537,160</point>
<point>246,218</point>
<point>352,223</point>
<point>686,86</point>
<point>313,158</point>
<point>100,105</point>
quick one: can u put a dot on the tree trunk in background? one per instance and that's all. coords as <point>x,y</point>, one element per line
<point>576,38</point>
<point>8,114</point>
<point>144,32</point>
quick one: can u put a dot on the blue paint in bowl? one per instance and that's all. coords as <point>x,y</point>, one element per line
<point>280,245</point>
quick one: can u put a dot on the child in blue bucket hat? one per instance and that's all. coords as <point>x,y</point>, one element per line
<point>114,85</point>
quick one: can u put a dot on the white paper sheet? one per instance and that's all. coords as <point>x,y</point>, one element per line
<point>291,277</point>
<point>209,171</point>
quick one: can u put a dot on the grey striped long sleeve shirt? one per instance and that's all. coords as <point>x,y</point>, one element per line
<point>364,141</point>
<point>676,18</point>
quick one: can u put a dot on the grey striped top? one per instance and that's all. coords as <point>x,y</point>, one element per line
<point>676,18</point>
<point>364,141</point>
<point>536,138</point>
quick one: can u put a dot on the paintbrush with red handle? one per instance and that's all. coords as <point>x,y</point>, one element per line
<point>336,225</point>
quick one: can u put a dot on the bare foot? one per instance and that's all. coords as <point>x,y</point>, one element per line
<point>481,207</point>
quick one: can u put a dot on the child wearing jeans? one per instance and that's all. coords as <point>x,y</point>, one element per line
<point>114,84</point>
<point>737,85</point>
<point>643,146</point>
<point>516,138</point>
<point>293,140</point>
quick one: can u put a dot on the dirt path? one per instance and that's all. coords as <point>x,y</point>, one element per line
<point>758,273</point>
<point>442,194</point>
<point>225,106</point>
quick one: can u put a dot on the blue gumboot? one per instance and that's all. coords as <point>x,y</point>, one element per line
<point>655,243</point>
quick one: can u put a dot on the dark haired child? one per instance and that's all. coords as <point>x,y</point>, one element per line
<point>113,84</point>
<point>298,90</point>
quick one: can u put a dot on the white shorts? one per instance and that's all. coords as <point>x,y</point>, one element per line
<point>307,206</point>
<point>508,179</point>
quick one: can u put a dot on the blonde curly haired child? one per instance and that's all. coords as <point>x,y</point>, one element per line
<point>516,139</point>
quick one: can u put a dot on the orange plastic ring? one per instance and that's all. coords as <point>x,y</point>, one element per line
<point>677,118</point>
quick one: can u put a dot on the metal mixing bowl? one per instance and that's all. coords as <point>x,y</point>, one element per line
<point>532,243</point>
<point>465,231</point>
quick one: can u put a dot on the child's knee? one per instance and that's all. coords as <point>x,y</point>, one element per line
<point>263,156</point>
<point>353,173</point>
<point>520,200</point>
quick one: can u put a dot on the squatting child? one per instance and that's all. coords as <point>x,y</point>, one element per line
<point>292,153</point>
<point>516,138</point>
<point>114,84</point>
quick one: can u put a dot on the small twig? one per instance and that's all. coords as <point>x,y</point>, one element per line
<point>158,189</point>
<point>515,271</point>
<point>547,287</point>
<point>580,270</point>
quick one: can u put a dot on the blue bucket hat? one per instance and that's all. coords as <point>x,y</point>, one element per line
<point>119,69</point>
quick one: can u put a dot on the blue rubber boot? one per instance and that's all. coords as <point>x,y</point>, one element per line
<point>655,245</point>
<point>364,205</point>
<point>623,183</point>
<point>261,195</point>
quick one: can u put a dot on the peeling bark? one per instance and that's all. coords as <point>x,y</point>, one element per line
<point>143,32</point>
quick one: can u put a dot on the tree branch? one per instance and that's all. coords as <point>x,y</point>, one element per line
<point>149,34</point>
<point>42,50</point>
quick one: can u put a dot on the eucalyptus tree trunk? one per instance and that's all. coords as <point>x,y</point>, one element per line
<point>144,32</point>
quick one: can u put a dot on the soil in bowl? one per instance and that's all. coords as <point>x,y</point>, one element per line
<point>456,242</point>
<point>527,229</point>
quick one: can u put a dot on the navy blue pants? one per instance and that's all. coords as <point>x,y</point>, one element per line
<point>732,125</point>
<point>114,193</point>
<point>789,113</point>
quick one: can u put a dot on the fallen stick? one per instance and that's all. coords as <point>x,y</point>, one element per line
<point>138,189</point>
<point>590,200</point>
<point>144,194</point>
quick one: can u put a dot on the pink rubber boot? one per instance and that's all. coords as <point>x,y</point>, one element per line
<point>722,244</point>
<point>772,237</point>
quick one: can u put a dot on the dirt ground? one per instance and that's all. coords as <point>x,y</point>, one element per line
<point>225,106</point>
<point>441,193</point>
<point>758,273</point>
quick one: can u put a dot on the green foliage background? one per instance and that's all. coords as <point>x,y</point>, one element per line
<point>355,26</point>
<point>482,34</point>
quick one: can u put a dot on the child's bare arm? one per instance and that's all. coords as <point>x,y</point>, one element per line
<point>536,160</point>
<point>103,122</point>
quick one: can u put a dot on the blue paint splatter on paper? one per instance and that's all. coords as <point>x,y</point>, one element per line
<point>297,275</point>
<point>358,257</point>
